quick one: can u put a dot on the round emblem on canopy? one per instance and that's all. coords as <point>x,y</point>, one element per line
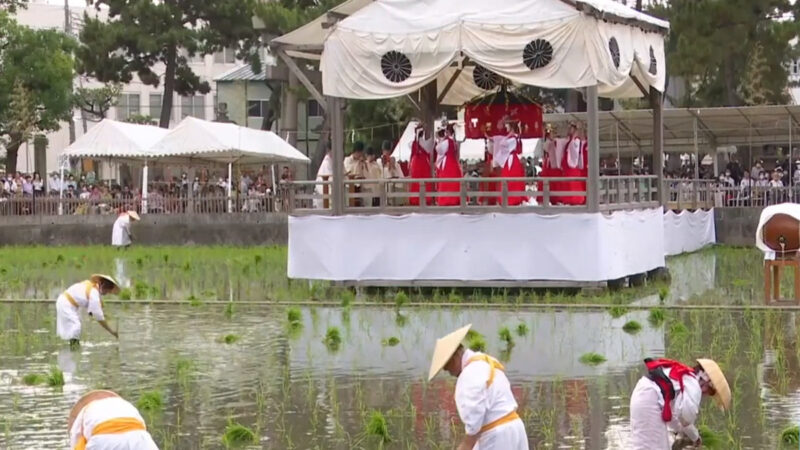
<point>396,67</point>
<point>537,54</point>
<point>653,62</point>
<point>485,78</point>
<point>613,47</point>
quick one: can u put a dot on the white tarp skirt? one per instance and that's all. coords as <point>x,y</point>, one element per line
<point>688,231</point>
<point>585,247</point>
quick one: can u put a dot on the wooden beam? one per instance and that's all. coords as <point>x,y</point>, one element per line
<point>452,80</point>
<point>657,104</point>
<point>336,115</point>
<point>303,79</point>
<point>593,136</point>
<point>640,86</point>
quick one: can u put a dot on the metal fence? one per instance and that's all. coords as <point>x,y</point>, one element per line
<point>705,194</point>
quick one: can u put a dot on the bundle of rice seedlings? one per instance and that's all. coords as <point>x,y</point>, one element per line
<point>376,426</point>
<point>237,435</point>
<point>592,359</point>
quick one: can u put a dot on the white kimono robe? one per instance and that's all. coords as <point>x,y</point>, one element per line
<point>325,170</point>
<point>68,319</point>
<point>479,405</point>
<point>121,234</point>
<point>102,410</point>
<point>648,430</point>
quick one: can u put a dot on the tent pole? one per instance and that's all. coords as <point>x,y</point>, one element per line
<point>144,187</point>
<point>337,146</point>
<point>230,185</point>
<point>593,135</point>
<point>61,190</point>
<point>657,104</point>
<point>696,153</point>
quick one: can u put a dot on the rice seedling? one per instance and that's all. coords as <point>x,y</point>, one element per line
<point>656,317</point>
<point>347,297</point>
<point>505,336</point>
<point>791,435</point>
<point>400,299</point>
<point>141,289</point>
<point>632,327</point>
<point>663,293</point>
<point>125,294</point>
<point>55,378</point>
<point>678,330</point>
<point>390,342</point>
<point>294,316</point>
<point>617,311</point>
<point>229,310</point>
<point>34,379</point>
<point>709,438</point>
<point>230,339</point>
<point>592,359</point>
<point>476,342</point>
<point>194,301</point>
<point>237,435</point>
<point>257,259</point>
<point>522,330</point>
<point>400,320</point>
<point>376,426</point>
<point>150,402</point>
<point>333,339</point>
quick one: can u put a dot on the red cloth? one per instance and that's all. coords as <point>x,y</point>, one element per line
<point>548,172</point>
<point>420,167</point>
<point>489,186</point>
<point>513,168</point>
<point>450,168</point>
<point>655,372</point>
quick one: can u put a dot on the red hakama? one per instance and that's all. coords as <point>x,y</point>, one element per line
<point>447,166</point>
<point>574,167</point>
<point>420,167</point>
<point>489,171</point>
<point>507,150</point>
<point>551,169</point>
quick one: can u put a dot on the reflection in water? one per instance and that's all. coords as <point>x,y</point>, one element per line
<point>692,275</point>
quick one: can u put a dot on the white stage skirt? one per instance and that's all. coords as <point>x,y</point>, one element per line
<point>586,247</point>
<point>688,231</point>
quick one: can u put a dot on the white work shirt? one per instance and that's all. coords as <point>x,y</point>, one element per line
<point>685,406</point>
<point>105,409</point>
<point>477,404</point>
<point>121,233</point>
<point>91,302</point>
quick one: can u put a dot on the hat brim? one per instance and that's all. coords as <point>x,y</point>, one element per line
<point>445,347</point>
<point>82,402</point>
<point>95,278</point>
<point>723,391</point>
<point>134,215</point>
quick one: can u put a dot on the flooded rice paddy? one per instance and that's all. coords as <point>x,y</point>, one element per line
<point>195,365</point>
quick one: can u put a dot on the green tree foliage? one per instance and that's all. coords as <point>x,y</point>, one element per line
<point>721,48</point>
<point>36,72</point>
<point>97,102</point>
<point>12,5</point>
<point>140,34</point>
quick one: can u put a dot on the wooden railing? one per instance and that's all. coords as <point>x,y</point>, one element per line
<point>541,195</point>
<point>706,194</point>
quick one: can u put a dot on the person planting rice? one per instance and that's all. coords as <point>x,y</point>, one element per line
<point>668,399</point>
<point>86,295</point>
<point>483,396</point>
<point>121,236</point>
<point>102,420</point>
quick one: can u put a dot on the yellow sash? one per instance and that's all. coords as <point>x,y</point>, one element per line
<point>493,364</point>
<point>89,286</point>
<point>505,419</point>
<point>113,426</point>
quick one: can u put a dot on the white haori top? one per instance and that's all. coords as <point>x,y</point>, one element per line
<point>121,233</point>
<point>105,410</point>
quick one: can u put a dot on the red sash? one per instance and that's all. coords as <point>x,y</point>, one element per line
<point>655,372</point>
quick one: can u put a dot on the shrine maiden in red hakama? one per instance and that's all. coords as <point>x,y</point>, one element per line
<point>506,151</point>
<point>420,167</point>
<point>447,166</point>
<point>574,165</point>
<point>551,167</point>
<point>489,171</point>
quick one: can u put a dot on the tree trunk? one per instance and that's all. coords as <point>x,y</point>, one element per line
<point>11,153</point>
<point>169,87</point>
<point>731,98</point>
<point>319,152</point>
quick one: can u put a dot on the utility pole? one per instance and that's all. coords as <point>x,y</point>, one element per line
<point>68,32</point>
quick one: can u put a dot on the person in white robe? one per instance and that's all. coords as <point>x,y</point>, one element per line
<point>121,236</point>
<point>85,295</point>
<point>483,396</point>
<point>650,429</point>
<point>325,173</point>
<point>102,420</point>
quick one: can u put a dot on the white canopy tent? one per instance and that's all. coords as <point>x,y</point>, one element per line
<point>469,149</point>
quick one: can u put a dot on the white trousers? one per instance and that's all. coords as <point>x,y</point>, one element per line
<point>648,430</point>
<point>132,440</point>
<point>509,436</point>
<point>68,320</point>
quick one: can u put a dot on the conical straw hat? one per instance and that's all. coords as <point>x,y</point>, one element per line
<point>95,278</point>
<point>87,398</point>
<point>723,396</point>
<point>133,215</point>
<point>445,347</point>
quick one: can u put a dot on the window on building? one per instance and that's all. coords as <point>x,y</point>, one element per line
<point>226,56</point>
<point>127,106</point>
<point>155,106</point>
<point>257,108</point>
<point>193,106</point>
<point>314,110</point>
